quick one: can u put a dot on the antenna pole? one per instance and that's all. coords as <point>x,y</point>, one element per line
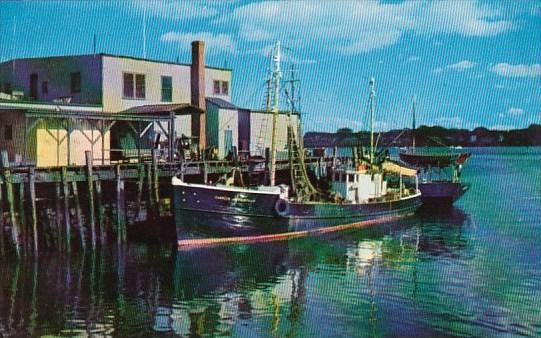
<point>372,108</point>
<point>145,33</point>
<point>276,75</point>
<point>413,126</point>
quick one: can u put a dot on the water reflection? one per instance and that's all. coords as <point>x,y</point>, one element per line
<point>280,288</point>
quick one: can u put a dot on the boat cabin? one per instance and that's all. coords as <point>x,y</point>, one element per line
<point>358,186</point>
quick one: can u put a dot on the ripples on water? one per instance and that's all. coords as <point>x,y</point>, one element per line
<point>471,271</point>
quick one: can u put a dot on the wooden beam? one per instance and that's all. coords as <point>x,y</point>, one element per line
<point>67,220</point>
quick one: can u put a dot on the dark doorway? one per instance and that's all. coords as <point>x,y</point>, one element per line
<point>34,86</point>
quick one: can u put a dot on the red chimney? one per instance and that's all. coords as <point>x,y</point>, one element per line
<point>198,91</point>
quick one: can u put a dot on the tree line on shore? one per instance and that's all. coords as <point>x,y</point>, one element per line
<point>428,136</point>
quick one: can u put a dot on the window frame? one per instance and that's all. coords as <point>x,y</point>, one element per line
<point>170,88</point>
<point>135,90</point>
<point>216,87</point>
<point>138,87</point>
<point>225,87</point>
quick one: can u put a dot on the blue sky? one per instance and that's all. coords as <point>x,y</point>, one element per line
<point>470,63</point>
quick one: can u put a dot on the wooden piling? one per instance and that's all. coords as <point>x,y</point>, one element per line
<point>140,182</point>
<point>58,215</point>
<point>156,183</point>
<point>205,173</point>
<point>2,244</point>
<point>120,207</point>
<point>150,205</point>
<point>101,211</point>
<point>67,220</point>
<point>11,203</point>
<point>90,184</point>
<point>79,215</point>
<point>22,218</point>
<point>33,215</point>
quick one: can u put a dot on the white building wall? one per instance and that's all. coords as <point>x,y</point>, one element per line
<point>113,83</point>
<point>114,67</point>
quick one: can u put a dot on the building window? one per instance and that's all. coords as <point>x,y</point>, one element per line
<point>128,85</point>
<point>45,87</point>
<point>140,86</point>
<point>225,88</point>
<point>75,82</point>
<point>216,90</point>
<point>167,89</point>
<point>133,85</point>
<point>8,132</point>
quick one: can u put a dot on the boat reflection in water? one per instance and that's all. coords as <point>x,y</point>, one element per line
<point>267,289</point>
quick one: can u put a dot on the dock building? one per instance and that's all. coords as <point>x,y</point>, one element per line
<point>53,109</point>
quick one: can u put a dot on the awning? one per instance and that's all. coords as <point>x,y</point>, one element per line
<point>396,168</point>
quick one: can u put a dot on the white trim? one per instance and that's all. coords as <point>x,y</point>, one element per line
<point>175,181</point>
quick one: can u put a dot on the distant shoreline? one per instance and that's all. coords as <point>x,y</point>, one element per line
<point>429,137</point>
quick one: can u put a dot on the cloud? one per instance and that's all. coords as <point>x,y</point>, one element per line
<point>352,28</point>
<point>462,65</point>
<point>413,59</point>
<point>515,111</point>
<point>520,70</point>
<point>437,70</point>
<point>214,43</point>
<point>287,55</point>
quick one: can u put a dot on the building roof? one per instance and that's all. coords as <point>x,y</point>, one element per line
<point>116,56</point>
<point>153,109</point>
<point>221,103</point>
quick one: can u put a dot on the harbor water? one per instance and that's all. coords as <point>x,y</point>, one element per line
<point>473,270</point>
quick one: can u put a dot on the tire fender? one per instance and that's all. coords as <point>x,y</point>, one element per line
<point>281,207</point>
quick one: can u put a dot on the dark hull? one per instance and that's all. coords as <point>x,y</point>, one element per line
<point>241,213</point>
<point>442,193</point>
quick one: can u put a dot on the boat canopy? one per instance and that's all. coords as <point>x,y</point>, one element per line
<point>397,168</point>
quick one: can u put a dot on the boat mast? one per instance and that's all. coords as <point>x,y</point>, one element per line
<point>275,76</point>
<point>413,126</point>
<point>372,108</point>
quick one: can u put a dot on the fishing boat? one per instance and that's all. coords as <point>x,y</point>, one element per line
<point>439,170</point>
<point>359,191</point>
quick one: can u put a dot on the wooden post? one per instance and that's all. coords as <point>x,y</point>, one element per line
<point>22,217</point>
<point>58,217</point>
<point>11,203</point>
<point>205,173</point>
<point>67,220</point>
<point>150,204</point>
<point>101,211</point>
<point>156,183</point>
<point>33,215</point>
<point>2,249</point>
<point>78,214</point>
<point>140,182</point>
<point>120,205</point>
<point>90,184</point>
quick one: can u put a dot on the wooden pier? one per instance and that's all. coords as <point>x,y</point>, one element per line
<point>86,206</point>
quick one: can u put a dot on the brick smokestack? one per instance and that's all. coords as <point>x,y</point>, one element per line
<point>198,91</point>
